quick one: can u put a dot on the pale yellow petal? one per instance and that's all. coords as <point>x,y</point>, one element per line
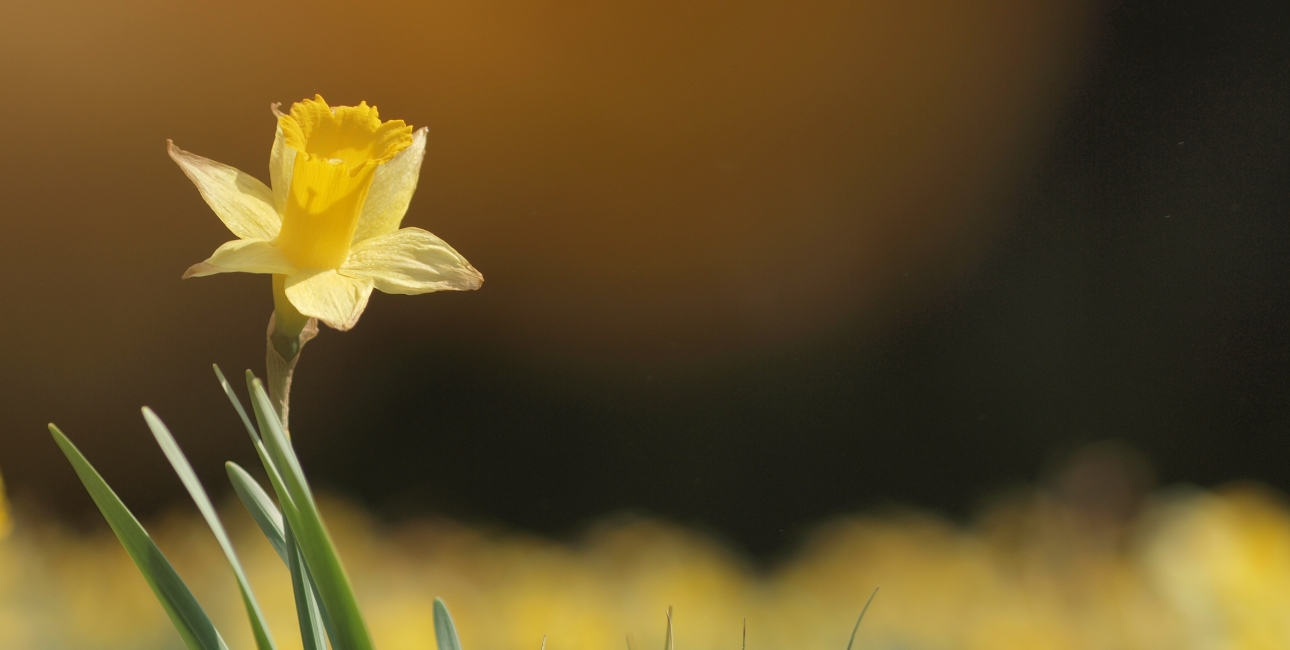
<point>244,256</point>
<point>391,192</point>
<point>281,161</point>
<point>240,200</point>
<point>411,261</point>
<point>329,296</point>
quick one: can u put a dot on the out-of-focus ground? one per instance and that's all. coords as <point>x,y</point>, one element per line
<point>1085,562</point>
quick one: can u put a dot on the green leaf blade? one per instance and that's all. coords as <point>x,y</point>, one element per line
<point>861,618</point>
<point>180,463</point>
<point>237,403</point>
<point>271,523</point>
<point>188,617</point>
<point>307,525</point>
<point>258,503</point>
<point>313,635</point>
<point>445,633</point>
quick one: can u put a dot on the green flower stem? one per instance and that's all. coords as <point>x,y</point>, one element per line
<point>281,355</point>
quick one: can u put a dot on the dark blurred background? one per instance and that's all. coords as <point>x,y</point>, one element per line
<point>749,264</point>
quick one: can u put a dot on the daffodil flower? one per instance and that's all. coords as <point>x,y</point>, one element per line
<point>328,229</point>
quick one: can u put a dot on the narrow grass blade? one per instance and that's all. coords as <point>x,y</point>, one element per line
<point>258,503</point>
<point>307,525</point>
<point>269,519</point>
<point>195,628</point>
<point>256,441</point>
<point>189,478</point>
<point>263,511</point>
<point>313,636</point>
<point>274,478</point>
<point>237,403</point>
<point>445,633</point>
<point>861,618</point>
<point>668,642</point>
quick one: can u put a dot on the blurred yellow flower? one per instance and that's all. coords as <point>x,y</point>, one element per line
<point>6,522</point>
<point>328,230</point>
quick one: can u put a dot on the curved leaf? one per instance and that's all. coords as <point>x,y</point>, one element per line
<point>445,633</point>
<point>307,525</point>
<point>194,626</point>
<point>189,478</point>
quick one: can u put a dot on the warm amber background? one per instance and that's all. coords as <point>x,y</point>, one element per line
<point>733,250</point>
<point>653,180</point>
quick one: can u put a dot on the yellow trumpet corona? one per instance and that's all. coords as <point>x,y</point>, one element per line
<point>328,227</point>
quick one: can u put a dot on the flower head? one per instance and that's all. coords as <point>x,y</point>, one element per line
<point>328,229</point>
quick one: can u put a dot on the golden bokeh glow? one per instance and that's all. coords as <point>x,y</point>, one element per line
<point>1196,571</point>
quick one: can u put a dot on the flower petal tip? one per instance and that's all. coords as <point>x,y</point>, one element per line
<point>474,279</point>
<point>336,300</point>
<point>199,270</point>
<point>341,327</point>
